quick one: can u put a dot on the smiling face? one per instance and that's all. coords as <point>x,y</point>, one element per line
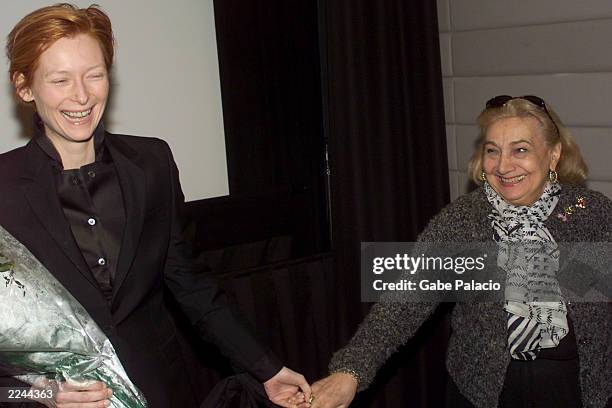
<point>516,159</point>
<point>70,90</point>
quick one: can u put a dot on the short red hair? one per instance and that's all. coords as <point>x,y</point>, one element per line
<point>37,31</point>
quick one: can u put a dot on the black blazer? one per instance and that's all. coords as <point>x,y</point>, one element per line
<point>153,255</point>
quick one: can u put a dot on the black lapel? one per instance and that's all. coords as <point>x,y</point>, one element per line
<point>38,186</point>
<point>132,181</point>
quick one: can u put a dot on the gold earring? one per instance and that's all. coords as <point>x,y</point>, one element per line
<point>483,177</point>
<point>553,177</point>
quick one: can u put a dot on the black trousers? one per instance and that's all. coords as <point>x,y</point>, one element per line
<point>541,383</point>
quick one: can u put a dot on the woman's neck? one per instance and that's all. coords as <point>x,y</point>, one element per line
<point>75,155</point>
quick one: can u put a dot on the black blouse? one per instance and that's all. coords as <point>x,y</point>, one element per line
<point>93,206</point>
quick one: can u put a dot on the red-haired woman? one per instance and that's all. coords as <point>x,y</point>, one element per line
<point>102,212</point>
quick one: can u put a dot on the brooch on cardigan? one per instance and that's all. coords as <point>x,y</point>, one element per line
<point>571,209</point>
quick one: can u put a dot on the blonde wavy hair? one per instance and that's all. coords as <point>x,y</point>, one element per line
<point>571,167</point>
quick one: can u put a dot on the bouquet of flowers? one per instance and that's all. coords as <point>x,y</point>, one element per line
<point>45,332</point>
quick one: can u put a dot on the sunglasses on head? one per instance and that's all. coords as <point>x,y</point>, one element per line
<point>500,100</point>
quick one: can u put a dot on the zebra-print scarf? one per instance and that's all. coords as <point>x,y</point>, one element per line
<point>536,313</point>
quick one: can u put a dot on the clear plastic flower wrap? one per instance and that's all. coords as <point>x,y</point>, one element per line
<point>45,331</point>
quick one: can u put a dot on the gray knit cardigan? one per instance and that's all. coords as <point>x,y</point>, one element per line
<point>477,357</point>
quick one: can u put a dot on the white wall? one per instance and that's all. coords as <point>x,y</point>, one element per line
<point>165,84</point>
<point>560,50</point>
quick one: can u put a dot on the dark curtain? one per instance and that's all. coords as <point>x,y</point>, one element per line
<point>289,305</point>
<point>389,172</point>
<point>271,94</point>
<point>363,76</point>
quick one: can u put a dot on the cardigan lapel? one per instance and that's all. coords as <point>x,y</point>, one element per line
<point>132,181</point>
<point>38,186</point>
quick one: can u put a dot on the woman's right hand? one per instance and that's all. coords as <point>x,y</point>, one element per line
<point>87,394</point>
<point>335,391</point>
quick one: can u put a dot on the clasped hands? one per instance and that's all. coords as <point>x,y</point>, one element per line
<point>287,389</point>
<point>334,391</point>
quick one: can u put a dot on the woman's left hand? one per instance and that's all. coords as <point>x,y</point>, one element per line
<point>288,389</point>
